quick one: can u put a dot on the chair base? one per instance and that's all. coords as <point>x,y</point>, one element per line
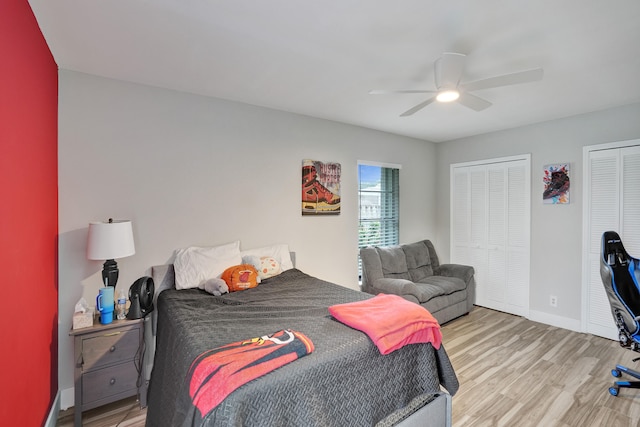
<point>617,372</point>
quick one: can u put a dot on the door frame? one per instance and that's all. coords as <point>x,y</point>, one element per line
<point>586,224</point>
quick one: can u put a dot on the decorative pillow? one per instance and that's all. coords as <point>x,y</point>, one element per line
<point>267,266</point>
<point>279,252</point>
<point>194,265</point>
<point>240,277</point>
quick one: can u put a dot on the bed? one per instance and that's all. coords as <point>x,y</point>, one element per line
<point>344,381</point>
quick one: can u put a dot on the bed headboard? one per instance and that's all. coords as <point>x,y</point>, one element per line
<point>164,277</point>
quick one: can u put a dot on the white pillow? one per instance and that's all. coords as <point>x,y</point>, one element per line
<point>194,265</point>
<point>279,252</point>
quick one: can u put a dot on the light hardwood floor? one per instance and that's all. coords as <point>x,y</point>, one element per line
<point>515,372</point>
<point>512,372</point>
<point>124,413</point>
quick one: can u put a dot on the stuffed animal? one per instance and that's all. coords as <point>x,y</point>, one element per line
<point>240,277</point>
<point>215,286</point>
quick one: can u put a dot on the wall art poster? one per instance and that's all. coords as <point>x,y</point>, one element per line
<point>320,188</point>
<point>556,184</point>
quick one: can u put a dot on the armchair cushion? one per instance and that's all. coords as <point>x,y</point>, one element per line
<point>428,291</point>
<point>394,262</point>
<point>418,261</point>
<point>446,285</point>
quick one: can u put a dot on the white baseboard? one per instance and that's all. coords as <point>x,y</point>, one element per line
<point>52,419</point>
<point>555,320</point>
<point>67,398</point>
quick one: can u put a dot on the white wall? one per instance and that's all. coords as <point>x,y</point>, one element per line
<point>556,230</point>
<point>191,170</point>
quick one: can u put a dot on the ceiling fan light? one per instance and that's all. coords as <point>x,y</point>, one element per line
<point>447,95</point>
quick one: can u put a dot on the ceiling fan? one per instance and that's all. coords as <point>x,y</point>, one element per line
<point>448,73</point>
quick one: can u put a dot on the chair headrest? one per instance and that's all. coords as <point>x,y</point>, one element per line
<point>613,251</point>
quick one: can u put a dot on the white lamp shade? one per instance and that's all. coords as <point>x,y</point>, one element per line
<point>110,240</point>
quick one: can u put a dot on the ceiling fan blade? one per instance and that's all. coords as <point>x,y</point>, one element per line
<point>448,70</point>
<point>505,80</point>
<point>418,107</point>
<point>387,92</point>
<point>474,102</point>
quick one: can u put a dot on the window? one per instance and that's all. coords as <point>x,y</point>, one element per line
<point>379,206</point>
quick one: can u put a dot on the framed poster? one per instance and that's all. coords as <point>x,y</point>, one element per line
<point>556,184</point>
<point>320,188</point>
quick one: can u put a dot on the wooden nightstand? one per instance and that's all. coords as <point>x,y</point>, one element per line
<point>107,363</point>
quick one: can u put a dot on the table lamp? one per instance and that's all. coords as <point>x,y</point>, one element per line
<point>107,241</point>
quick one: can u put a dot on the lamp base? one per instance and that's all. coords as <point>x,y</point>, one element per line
<point>110,273</point>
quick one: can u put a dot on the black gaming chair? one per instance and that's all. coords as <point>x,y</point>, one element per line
<point>620,274</point>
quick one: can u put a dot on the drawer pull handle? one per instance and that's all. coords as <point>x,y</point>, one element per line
<point>113,381</point>
<point>112,334</point>
<point>112,349</point>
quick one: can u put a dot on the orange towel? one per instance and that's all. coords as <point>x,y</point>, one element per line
<point>390,321</point>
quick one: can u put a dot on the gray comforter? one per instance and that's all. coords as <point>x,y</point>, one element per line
<point>344,382</point>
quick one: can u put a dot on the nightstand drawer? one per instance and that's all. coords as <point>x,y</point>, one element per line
<point>103,383</point>
<point>112,347</point>
<point>105,363</point>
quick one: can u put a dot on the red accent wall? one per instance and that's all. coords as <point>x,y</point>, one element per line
<point>28,219</point>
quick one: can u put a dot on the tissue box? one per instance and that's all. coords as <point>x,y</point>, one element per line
<point>83,320</point>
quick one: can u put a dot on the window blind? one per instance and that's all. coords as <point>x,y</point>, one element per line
<point>379,206</point>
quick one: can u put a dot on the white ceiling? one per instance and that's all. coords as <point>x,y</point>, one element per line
<point>320,58</point>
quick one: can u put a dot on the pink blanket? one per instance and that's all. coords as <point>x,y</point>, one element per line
<point>390,321</point>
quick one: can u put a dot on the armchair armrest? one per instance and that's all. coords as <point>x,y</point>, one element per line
<point>464,272</point>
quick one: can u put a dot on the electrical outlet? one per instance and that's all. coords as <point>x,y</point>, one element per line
<point>553,301</point>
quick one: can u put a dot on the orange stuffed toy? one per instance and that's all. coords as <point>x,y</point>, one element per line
<point>240,277</point>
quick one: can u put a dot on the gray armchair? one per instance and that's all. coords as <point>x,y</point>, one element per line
<point>413,272</point>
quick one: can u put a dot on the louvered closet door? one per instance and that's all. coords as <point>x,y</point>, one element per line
<point>460,205</point>
<point>518,237</point>
<point>630,220</point>
<point>496,245</point>
<point>477,228</point>
<point>490,223</point>
<point>613,203</point>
